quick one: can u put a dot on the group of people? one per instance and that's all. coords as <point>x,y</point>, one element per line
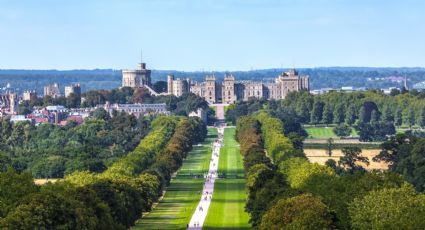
<point>199,216</point>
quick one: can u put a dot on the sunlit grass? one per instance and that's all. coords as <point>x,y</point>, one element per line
<point>184,192</point>
<point>227,207</point>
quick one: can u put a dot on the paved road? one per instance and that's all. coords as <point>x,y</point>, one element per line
<point>219,110</point>
<point>201,211</point>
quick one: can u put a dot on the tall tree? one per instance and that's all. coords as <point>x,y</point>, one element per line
<point>374,117</point>
<point>398,117</point>
<point>422,118</point>
<point>352,155</point>
<point>350,116</point>
<point>410,117</point>
<point>362,115</point>
<point>387,115</point>
<point>327,116</point>
<point>317,111</point>
<point>338,114</point>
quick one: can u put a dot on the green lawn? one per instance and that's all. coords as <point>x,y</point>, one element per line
<point>183,194</point>
<point>324,132</point>
<point>227,208</point>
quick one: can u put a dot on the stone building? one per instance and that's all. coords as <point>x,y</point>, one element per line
<point>52,90</point>
<point>290,81</point>
<point>231,90</point>
<point>73,89</point>
<point>177,86</point>
<point>136,78</point>
<point>253,89</point>
<point>136,109</point>
<point>212,91</point>
<point>28,94</point>
<point>228,92</point>
<point>208,89</point>
<point>9,103</point>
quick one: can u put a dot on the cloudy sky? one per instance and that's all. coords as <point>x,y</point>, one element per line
<point>210,34</point>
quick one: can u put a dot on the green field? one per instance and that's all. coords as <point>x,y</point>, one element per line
<point>176,208</point>
<point>227,207</point>
<point>324,132</point>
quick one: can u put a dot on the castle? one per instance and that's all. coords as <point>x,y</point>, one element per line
<point>228,91</point>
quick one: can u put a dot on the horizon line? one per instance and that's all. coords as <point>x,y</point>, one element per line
<point>201,71</point>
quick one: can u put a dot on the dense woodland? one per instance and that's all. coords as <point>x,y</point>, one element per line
<point>113,199</point>
<point>52,151</point>
<point>286,191</point>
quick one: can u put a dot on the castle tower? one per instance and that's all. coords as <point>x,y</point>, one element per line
<point>170,79</point>
<point>228,90</point>
<point>73,89</point>
<point>136,77</point>
<point>210,90</point>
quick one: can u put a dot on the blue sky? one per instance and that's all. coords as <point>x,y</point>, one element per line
<point>211,34</point>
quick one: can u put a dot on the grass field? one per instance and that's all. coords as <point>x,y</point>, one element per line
<point>324,132</point>
<point>227,207</point>
<point>176,208</point>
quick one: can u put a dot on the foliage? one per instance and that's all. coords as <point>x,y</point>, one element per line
<point>299,212</point>
<point>144,154</point>
<point>336,191</point>
<point>264,183</point>
<point>277,145</point>
<point>114,199</point>
<point>13,188</point>
<point>389,208</point>
<point>375,131</point>
<point>342,130</point>
<point>243,108</point>
<point>405,155</point>
<point>349,161</point>
<point>160,86</point>
<point>51,151</point>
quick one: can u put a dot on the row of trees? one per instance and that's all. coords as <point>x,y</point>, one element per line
<point>113,199</point>
<point>293,193</point>
<point>362,107</point>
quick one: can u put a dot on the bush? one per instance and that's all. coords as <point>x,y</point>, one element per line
<point>342,130</point>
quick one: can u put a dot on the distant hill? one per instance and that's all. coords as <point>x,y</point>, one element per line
<point>323,77</point>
